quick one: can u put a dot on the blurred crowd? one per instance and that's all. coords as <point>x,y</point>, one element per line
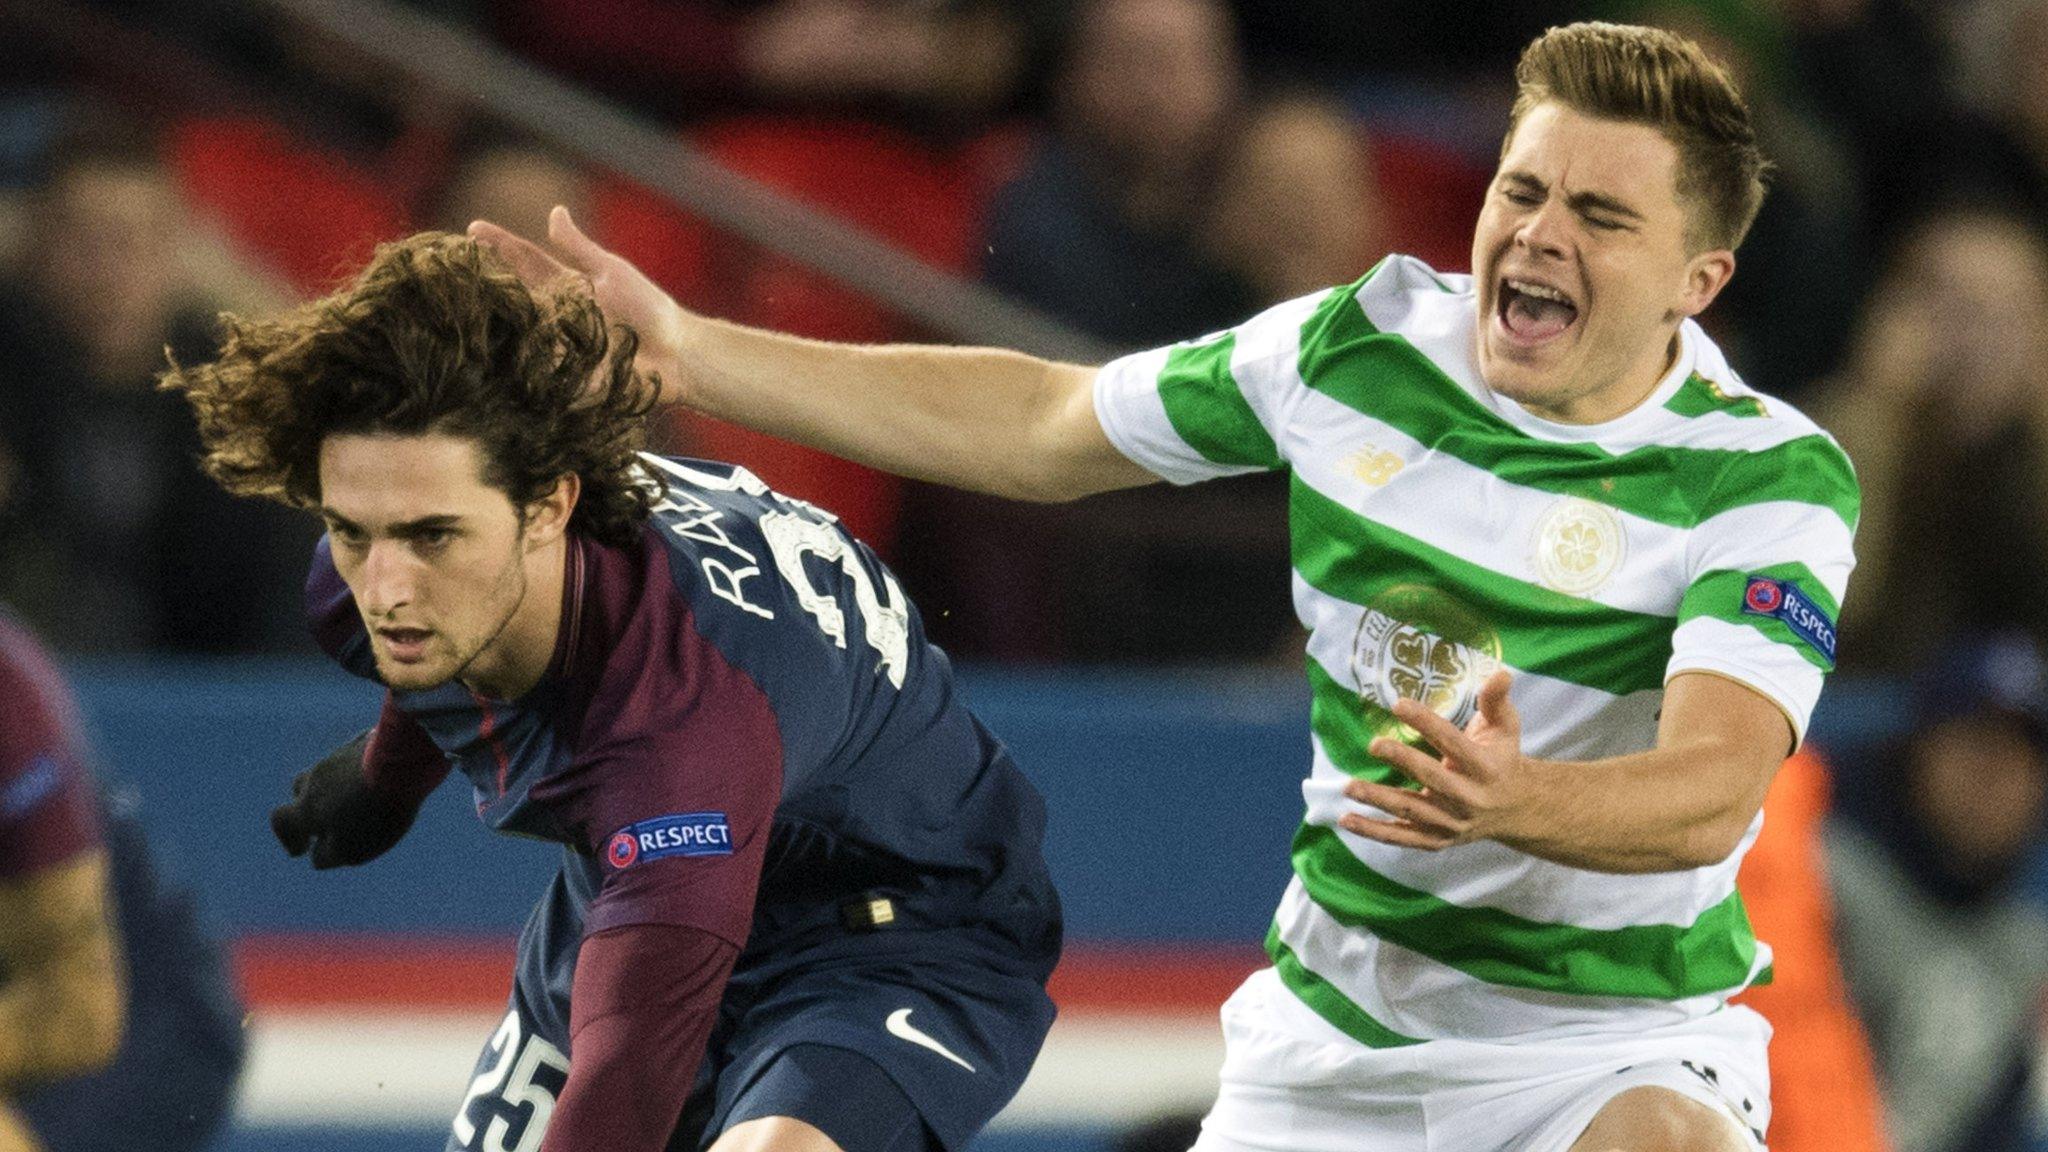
<point>1143,171</point>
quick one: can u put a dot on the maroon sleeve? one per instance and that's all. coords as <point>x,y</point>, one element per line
<point>675,796</point>
<point>48,809</point>
<point>402,764</point>
<point>640,1011</point>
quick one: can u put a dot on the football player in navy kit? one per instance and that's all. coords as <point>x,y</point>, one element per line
<point>119,1026</point>
<point>801,902</point>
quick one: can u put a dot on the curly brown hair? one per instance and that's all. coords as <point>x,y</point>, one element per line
<point>436,335</point>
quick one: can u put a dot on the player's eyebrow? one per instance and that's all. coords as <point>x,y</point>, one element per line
<point>402,528</point>
<point>1579,201</point>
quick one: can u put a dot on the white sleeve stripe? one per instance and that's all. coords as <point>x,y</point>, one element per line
<point>1759,536</point>
<point>1133,417</point>
<point>1266,361</point>
<point>1743,654</point>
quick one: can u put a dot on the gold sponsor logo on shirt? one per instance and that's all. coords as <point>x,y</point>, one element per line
<point>1579,546</point>
<point>1374,466</point>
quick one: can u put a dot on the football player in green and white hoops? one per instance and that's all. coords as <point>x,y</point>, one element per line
<point>1571,589</point>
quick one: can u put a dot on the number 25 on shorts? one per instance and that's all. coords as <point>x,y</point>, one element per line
<point>506,1096</point>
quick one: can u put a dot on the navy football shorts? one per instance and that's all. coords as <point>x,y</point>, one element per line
<point>913,1040</point>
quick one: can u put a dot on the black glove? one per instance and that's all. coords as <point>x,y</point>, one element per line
<point>334,812</point>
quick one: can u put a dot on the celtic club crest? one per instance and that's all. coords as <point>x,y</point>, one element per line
<point>1420,643</point>
<point>1579,545</point>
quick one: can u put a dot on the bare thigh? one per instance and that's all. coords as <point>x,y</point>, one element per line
<point>774,1134</point>
<point>1651,1119</point>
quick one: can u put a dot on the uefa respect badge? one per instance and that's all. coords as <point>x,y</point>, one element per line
<point>683,834</point>
<point>1782,600</point>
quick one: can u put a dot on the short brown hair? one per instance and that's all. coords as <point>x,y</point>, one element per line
<point>1650,76</point>
<point>436,335</point>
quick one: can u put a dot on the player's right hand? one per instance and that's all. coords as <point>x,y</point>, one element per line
<point>622,291</point>
<point>334,813</point>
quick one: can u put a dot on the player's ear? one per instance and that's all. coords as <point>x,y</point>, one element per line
<point>1705,275</point>
<point>548,517</point>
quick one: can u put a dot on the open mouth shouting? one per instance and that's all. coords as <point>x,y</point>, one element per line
<point>1531,313</point>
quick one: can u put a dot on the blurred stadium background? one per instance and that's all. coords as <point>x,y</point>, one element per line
<point>1072,176</point>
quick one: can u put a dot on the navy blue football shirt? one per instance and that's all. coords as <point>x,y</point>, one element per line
<point>743,731</point>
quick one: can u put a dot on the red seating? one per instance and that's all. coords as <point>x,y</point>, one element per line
<point>1433,196</point>
<point>311,215</point>
<point>925,199</point>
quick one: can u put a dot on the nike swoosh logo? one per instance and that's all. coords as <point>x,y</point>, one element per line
<point>900,1027</point>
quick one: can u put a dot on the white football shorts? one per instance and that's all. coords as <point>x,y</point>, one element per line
<point>1293,1083</point>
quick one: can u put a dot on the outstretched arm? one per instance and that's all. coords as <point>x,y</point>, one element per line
<point>360,800</point>
<point>62,977</point>
<point>61,1005</point>
<point>985,419</point>
<point>1683,804</point>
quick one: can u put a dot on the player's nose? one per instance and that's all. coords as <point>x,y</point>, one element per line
<point>387,581</point>
<point>1545,230</point>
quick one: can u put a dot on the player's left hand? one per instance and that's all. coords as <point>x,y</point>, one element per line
<point>1475,788</point>
<point>335,816</point>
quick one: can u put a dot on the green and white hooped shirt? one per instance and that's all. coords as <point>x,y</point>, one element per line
<point>1441,531</point>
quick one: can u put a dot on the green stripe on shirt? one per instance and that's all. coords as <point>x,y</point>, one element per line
<point>1355,558</point>
<point>1326,1001</point>
<point>1345,723</point>
<point>1384,376</point>
<point>1699,396</point>
<point>1208,409</point>
<point>1720,595</point>
<point>1713,954</point>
